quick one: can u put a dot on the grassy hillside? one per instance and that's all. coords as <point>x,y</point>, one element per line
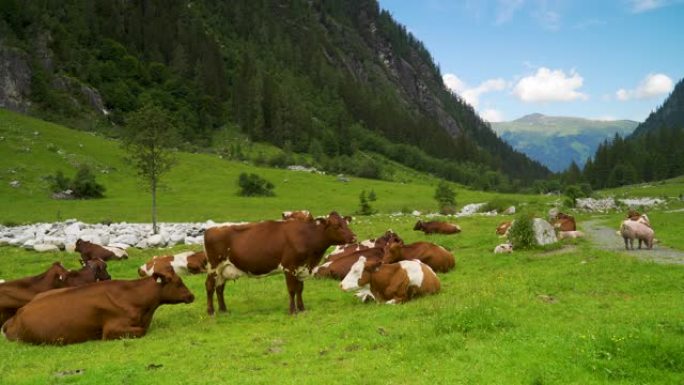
<point>200,187</point>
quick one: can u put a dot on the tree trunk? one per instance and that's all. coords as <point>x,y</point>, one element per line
<point>154,206</point>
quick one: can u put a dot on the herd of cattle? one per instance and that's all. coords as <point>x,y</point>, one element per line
<point>62,307</point>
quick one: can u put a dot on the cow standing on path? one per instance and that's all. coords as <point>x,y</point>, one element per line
<point>295,247</point>
<point>108,310</point>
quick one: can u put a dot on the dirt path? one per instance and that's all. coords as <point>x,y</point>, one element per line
<point>605,238</point>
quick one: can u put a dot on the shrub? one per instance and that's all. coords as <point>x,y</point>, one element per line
<point>364,207</point>
<point>521,234</point>
<point>83,186</point>
<point>371,196</point>
<point>498,204</point>
<point>446,198</point>
<point>253,185</point>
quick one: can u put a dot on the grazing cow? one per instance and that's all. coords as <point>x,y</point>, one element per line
<point>89,250</point>
<point>344,250</point>
<point>109,310</point>
<point>299,215</point>
<point>437,227</point>
<point>503,248</point>
<point>295,247</point>
<point>339,267</point>
<point>564,222</point>
<point>570,234</point>
<point>189,262</point>
<point>503,228</point>
<point>631,230</point>
<point>390,283</point>
<point>437,257</point>
<point>17,293</point>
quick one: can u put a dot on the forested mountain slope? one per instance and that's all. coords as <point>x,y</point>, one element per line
<point>327,77</point>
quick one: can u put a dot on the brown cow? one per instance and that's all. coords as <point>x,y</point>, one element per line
<point>437,227</point>
<point>339,267</point>
<point>564,222</point>
<point>17,293</point>
<point>437,257</point>
<point>189,262</point>
<point>503,227</point>
<point>344,250</point>
<point>89,250</point>
<point>390,283</point>
<point>108,310</point>
<point>92,271</point>
<point>295,247</point>
<point>298,215</point>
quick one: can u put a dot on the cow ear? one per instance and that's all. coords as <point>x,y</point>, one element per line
<point>348,218</point>
<point>321,221</point>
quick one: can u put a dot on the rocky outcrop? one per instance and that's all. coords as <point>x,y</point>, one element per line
<point>88,94</point>
<point>15,79</point>
<point>544,233</point>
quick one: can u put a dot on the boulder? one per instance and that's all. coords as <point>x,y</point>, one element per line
<point>509,211</point>
<point>127,239</point>
<point>156,240</point>
<point>470,209</point>
<point>44,247</point>
<point>544,233</point>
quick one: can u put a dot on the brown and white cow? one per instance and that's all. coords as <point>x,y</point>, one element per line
<point>89,250</point>
<point>570,234</point>
<point>294,247</point>
<point>339,267</point>
<point>637,217</point>
<point>189,262</point>
<point>504,248</point>
<point>503,228</point>
<point>109,310</point>
<point>435,256</point>
<point>298,215</point>
<point>16,293</point>
<point>564,222</point>
<point>344,250</point>
<point>438,227</point>
<point>390,283</point>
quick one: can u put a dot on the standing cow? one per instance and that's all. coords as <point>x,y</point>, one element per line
<point>295,247</point>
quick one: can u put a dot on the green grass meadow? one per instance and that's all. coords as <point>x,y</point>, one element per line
<point>568,315</point>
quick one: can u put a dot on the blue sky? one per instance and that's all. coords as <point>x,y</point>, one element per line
<point>605,59</point>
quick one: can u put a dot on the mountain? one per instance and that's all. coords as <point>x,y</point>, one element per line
<point>331,78</point>
<point>557,141</point>
<point>654,151</point>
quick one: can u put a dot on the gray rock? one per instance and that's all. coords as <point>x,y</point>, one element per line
<point>15,79</point>
<point>544,233</point>
<point>15,184</point>
<point>509,211</point>
<point>128,239</point>
<point>156,240</point>
<point>44,247</point>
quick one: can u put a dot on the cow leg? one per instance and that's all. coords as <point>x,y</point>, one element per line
<point>300,301</point>
<point>210,285</point>
<point>626,244</point>
<point>292,286</point>
<point>220,298</point>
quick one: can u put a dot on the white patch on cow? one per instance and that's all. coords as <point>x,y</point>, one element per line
<point>337,249</point>
<point>368,243</point>
<point>180,262</point>
<point>300,272</point>
<point>315,269</point>
<point>286,214</point>
<point>2,281</point>
<point>391,302</point>
<point>147,271</point>
<point>227,271</point>
<point>414,271</point>
<point>364,294</point>
<point>120,253</point>
<point>351,280</point>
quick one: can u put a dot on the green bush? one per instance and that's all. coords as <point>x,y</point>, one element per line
<point>446,198</point>
<point>252,185</point>
<point>498,204</point>
<point>364,207</point>
<point>521,234</point>
<point>83,186</point>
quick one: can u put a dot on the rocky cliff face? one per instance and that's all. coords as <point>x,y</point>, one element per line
<point>15,79</point>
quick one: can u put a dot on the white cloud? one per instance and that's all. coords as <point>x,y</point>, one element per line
<point>505,9</point>
<point>653,85</point>
<point>472,94</point>
<point>639,6</point>
<point>492,115</point>
<point>549,20</point>
<point>548,85</point>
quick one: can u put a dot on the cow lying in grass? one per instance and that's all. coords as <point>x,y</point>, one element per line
<point>89,250</point>
<point>437,227</point>
<point>104,311</point>
<point>390,283</point>
<point>437,257</point>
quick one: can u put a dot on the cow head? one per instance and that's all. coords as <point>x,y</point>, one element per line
<point>80,244</point>
<point>359,275</point>
<point>392,251</point>
<point>389,236</point>
<point>337,229</point>
<point>56,275</point>
<point>99,268</point>
<point>418,226</point>
<point>172,288</point>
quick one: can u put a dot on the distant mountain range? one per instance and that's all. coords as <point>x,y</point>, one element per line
<point>556,141</point>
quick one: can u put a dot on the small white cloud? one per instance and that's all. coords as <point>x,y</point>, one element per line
<point>505,10</point>
<point>548,85</point>
<point>639,6</point>
<point>549,20</point>
<point>472,94</point>
<point>492,115</point>
<point>653,85</point>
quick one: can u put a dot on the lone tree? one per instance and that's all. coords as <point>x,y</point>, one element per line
<point>148,138</point>
<point>446,198</point>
